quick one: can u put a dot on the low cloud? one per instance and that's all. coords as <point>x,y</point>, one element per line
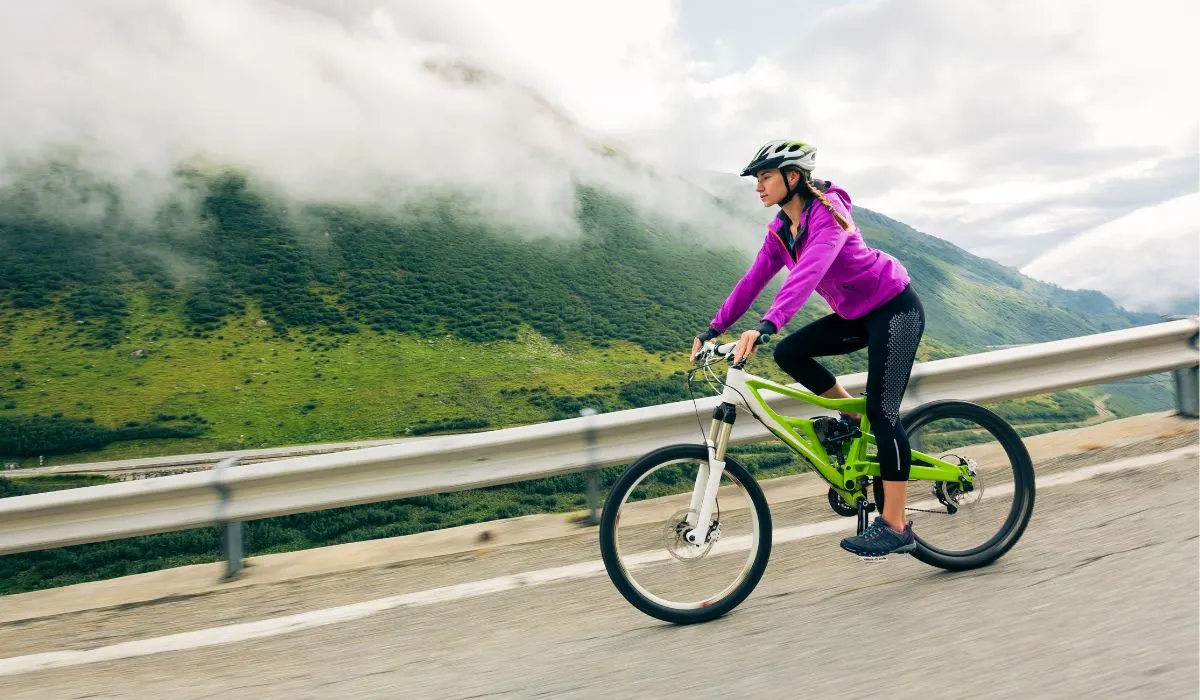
<point>1107,200</point>
<point>971,122</point>
<point>1147,261</point>
<point>322,100</point>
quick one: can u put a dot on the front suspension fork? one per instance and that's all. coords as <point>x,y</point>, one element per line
<point>708,477</point>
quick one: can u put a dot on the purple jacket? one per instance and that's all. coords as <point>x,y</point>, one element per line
<point>852,277</point>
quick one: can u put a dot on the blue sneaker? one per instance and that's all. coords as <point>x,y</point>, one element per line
<point>880,540</point>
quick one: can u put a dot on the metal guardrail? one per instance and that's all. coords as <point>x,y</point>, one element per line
<point>202,460</point>
<point>455,462</point>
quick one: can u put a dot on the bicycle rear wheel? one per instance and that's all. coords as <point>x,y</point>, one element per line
<point>959,526</point>
<point>642,540</point>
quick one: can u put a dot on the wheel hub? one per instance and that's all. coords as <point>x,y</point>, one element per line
<point>675,532</point>
<point>960,494</point>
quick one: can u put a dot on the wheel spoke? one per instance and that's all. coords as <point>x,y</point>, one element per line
<point>646,519</point>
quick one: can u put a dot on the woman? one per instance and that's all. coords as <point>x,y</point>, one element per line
<point>873,304</point>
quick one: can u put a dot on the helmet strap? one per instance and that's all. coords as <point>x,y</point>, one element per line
<point>787,184</point>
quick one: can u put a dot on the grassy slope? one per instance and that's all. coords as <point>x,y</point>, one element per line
<point>363,386</point>
<point>606,298</point>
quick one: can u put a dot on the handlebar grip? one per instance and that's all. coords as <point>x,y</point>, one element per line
<point>764,339</point>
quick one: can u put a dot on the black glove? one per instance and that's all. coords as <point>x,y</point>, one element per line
<point>708,334</point>
<point>765,327</point>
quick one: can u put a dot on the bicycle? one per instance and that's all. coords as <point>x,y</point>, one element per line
<point>670,498</point>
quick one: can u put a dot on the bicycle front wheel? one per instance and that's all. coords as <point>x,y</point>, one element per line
<point>642,540</point>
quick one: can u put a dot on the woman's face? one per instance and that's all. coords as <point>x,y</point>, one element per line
<point>771,187</point>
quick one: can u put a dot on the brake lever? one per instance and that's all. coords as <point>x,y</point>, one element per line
<point>763,339</point>
<point>705,353</point>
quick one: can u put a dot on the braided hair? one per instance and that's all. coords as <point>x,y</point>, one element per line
<point>828,205</point>
<point>816,192</point>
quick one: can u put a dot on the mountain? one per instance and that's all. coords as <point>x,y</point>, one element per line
<point>239,317</point>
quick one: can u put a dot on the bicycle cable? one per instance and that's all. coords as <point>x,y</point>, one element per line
<point>695,406</point>
<point>714,381</point>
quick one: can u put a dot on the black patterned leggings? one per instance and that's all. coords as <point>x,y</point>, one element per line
<point>891,334</point>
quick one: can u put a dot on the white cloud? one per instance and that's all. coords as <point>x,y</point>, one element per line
<point>977,122</point>
<point>994,125</point>
<point>330,100</point>
<point>1148,260</point>
<point>967,95</point>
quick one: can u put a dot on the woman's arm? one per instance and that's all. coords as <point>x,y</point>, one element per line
<point>826,239</point>
<point>764,267</point>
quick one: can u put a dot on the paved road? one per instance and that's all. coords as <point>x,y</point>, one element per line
<point>1099,599</point>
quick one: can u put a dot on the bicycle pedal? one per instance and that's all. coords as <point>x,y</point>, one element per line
<point>871,559</point>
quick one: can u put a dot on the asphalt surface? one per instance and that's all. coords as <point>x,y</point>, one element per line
<point>1100,598</point>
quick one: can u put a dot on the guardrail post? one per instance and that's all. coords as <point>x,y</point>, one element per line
<point>231,531</point>
<point>1187,380</point>
<point>1187,391</point>
<point>593,471</point>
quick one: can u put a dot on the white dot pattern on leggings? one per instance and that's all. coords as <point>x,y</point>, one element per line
<point>904,334</point>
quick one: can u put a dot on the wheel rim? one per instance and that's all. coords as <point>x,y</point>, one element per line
<point>985,515</point>
<point>661,566</point>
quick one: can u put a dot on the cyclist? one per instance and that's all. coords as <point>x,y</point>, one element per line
<point>874,307</point>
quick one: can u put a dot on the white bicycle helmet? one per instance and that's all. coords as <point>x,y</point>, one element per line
<point>781,154</point>
<point>784,154</point>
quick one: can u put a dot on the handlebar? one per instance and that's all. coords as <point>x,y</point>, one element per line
<point>725,350</point>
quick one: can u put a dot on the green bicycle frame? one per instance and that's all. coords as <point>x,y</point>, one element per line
<point>800,436</point>
<point>848,480</point>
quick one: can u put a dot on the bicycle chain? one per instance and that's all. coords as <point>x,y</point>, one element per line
<point>922,510</point>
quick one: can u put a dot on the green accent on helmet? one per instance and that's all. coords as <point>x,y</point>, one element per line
<point>783,153</point>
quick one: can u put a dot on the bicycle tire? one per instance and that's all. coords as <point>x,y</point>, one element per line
<point>1024,489</point>
<point>611,555</point>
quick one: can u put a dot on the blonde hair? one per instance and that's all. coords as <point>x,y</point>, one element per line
<point>828,205</point>
<point>842,221</point>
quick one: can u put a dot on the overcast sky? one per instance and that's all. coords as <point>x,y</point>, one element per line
<point>1008,127</point>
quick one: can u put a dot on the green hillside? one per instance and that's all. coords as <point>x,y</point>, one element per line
<point>240,319</point>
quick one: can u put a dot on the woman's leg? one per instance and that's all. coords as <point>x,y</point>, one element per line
<point>894,333</point>
<point>895,330</point>
<point>829,335</point>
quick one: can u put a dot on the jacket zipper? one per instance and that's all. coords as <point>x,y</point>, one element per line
<point>803,238</point>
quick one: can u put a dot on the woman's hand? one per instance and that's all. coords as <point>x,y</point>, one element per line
<point>702,339</point>
<point>746,345</point>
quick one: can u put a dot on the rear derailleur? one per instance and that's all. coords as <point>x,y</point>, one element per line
<point>952,493</point>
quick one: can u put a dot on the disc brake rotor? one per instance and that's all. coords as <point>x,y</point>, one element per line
<point>955,495</point>
<point>963,498</point>
<point>673,533</point>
